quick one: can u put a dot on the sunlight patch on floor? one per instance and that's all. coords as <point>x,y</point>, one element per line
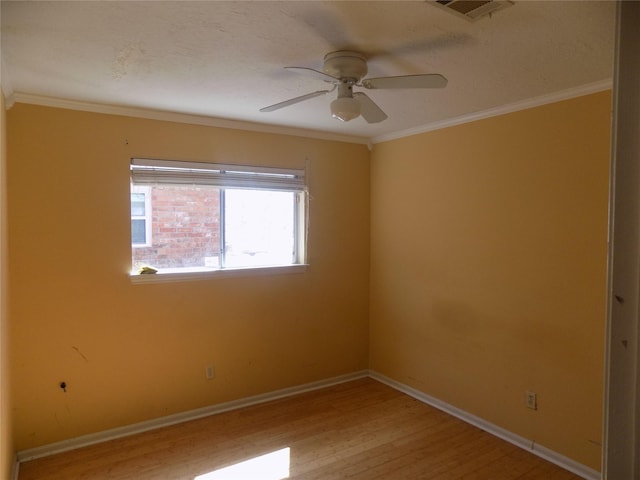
<point>271,466</point>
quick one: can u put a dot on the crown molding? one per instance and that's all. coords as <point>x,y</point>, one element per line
<point>15,97</point>
<point>151,114</point>
<point>6,86</point>
<point>501,110</point>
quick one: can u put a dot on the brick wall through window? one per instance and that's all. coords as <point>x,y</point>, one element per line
<point>185,228</point>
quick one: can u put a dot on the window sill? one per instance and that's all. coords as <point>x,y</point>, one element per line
<point>191,275</point>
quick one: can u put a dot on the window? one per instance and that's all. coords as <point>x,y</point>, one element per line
<point>193,217</point>
<point>140,216</point>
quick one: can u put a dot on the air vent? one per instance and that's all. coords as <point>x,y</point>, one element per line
<point>472,9</point>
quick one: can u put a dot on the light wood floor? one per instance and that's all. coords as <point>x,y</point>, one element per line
<point>357,430</point>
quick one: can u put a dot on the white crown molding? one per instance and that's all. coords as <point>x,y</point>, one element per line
<point>181,118</point>
<point>16,97</point>
<point>501,110</point>
<point>6,85</point>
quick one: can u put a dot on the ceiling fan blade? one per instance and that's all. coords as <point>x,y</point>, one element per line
<point>310,72</point>
<point>432,80</point>
<point>292,101</point>
<point>371,112</point>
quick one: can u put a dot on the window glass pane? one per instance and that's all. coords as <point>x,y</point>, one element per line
<point>185,228</point>
<point>138,231</point>
<point>137,204</point>
<point>259,227</point>
<point>185,218</point>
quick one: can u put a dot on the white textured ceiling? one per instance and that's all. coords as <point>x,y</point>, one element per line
<point>224,59</point>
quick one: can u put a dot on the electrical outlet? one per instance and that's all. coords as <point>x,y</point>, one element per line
<point>531,399</point>
<point>210,372</point>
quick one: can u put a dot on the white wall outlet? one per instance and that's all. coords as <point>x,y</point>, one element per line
<point>210,372</point>
<point>531,399</point>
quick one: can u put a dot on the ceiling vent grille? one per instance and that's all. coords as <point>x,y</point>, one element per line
<point>472,9</point>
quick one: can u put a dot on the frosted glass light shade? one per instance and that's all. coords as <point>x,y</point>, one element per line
<point>345,108</point>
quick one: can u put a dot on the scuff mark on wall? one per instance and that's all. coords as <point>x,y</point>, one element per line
<point>77,350</point>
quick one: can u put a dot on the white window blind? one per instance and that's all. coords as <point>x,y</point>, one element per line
<point>151,171</point>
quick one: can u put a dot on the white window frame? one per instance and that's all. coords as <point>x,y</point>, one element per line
<point>146,217</point>
<point>147,172</point>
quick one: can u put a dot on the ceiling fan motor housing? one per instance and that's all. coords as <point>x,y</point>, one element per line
<point>345,64</point>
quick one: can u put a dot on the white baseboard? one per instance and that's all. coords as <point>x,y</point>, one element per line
<point>85,440</point>
<point>15,470</point>
<point>539,450</point>
<point>119,432</point>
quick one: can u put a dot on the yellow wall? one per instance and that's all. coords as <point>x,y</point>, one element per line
<point>134,352</point>
<point>6,442</point>
<point>488,253</point>
<point>486,276</point>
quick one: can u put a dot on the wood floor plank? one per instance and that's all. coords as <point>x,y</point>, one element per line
<point>359,430</point>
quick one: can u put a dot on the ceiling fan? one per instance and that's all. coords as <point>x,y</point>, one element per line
<point>345,69</point>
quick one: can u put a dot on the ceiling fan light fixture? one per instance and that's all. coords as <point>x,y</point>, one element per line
<point>344,69</point>
<point>345,108</point>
